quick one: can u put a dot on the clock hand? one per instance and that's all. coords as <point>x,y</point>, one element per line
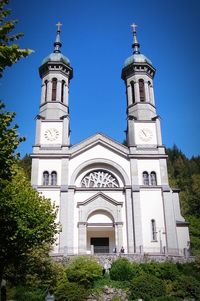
<point>144,132</point>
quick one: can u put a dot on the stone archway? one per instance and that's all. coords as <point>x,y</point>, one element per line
<point>100,232</point>
<point>100,217</point>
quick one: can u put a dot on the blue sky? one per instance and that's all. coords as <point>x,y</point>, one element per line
<point>97,38</point>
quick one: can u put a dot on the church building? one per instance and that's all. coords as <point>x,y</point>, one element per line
<point>108,195</point>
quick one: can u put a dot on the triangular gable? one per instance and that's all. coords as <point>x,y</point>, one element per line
<point>101,140</point>
<point>99,194</point>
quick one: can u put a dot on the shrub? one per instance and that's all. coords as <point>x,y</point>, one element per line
<point>166,298</point>
<point>121,270</point>
<point>165,271</point>
<point>24,294</point>
<point>146,287</point>
<point>186,287</point>
<point>84,271</point>
<point>168,271</point>
<point>69,291</point>
<point>190,268</point>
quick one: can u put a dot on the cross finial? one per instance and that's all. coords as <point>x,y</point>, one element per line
<point>135,45</point>
<point>59,26</point>
<point>134,26</point>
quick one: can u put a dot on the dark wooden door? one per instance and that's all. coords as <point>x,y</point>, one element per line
<point>101,244</point>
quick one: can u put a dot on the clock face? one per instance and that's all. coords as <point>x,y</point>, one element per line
<point>51,134</point>
<point>145,134</point>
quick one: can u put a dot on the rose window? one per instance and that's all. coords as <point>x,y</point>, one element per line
<point>99,178</point>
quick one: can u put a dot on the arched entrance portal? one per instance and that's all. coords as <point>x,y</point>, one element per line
<point>100,232</point>
<point>100,224</point>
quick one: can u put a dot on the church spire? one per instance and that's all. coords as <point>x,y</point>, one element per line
<point>57,43</point>
<point>135,44</point>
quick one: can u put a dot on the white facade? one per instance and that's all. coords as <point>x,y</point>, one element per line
<point>109,195</point>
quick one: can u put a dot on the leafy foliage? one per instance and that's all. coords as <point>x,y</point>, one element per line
<point>186,287</point>
<point>121,270</point>
<point>70,291</point>
<point>9,53</point>
<point>185,174</point>
<point>22,294</point>
<point>9,141</point>
<point>166,270</point>
<point>84,271</point>
<point>25,163</point>
<point>27,220</point>
<point>146,287</point>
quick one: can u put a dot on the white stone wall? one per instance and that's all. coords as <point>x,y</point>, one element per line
<point>152,208</point>
<point>98,152</point>
<point>49,165</point>
<point>183,237</point>
<point>148,165</point>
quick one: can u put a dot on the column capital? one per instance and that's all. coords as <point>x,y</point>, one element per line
<point>118,223</point>
<point>83,224</point>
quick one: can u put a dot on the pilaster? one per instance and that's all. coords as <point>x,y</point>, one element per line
<point>129,94</point>
<point>49,90</point>
<point>58,92</point>
<point>82,238</point>
<point>152,94</point>
<point>34,172</point>
<point>66,220</point>
<point>118,235</point>
<point>158,131</point>
<point>137,92</point>
<point>137,219</point>
<point>146,89</point>
<point>170,222</point>
<point>129,219</point>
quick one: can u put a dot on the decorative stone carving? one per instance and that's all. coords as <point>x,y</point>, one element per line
<point>99,178</point>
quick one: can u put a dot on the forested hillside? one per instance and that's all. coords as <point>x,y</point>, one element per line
<point>184,173</point>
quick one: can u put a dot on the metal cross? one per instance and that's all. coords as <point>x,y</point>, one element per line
<point>134,26</point>
<point>58,25</point>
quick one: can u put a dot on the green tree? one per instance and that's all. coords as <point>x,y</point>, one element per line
<point>9,141</point>
<point>10,52</point>
<point>25,163</point>
<point>27,220</point>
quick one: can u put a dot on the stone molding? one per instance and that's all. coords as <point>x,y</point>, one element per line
<point>117,168</point>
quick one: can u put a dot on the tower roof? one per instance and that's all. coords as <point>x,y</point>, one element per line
<point>56,55</point>
<point>136,57</point>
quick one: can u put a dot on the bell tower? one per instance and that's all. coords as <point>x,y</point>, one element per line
<point>52,122</point>
<point>143,126</point>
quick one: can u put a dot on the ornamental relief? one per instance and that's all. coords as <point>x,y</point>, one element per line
<point>99,178</point>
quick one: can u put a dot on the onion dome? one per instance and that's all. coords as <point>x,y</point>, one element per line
<point>136,57</point>
<point>57,56</point>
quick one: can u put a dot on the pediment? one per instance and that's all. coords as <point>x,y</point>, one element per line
<point>99,195</point>
<point>99,139</point>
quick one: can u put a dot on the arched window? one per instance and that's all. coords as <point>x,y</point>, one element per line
<point>54,88</point>
<point>153,178</point>
<point>141,89</point>
<point>145,178</point>
<point>153,230</point>
<point>45,178</point>
<point>45,92</point>
<point>54,178</point>
<point>133,92</point>
<point>62,90</point>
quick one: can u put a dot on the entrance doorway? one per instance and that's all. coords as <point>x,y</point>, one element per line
<point>101,244</point>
